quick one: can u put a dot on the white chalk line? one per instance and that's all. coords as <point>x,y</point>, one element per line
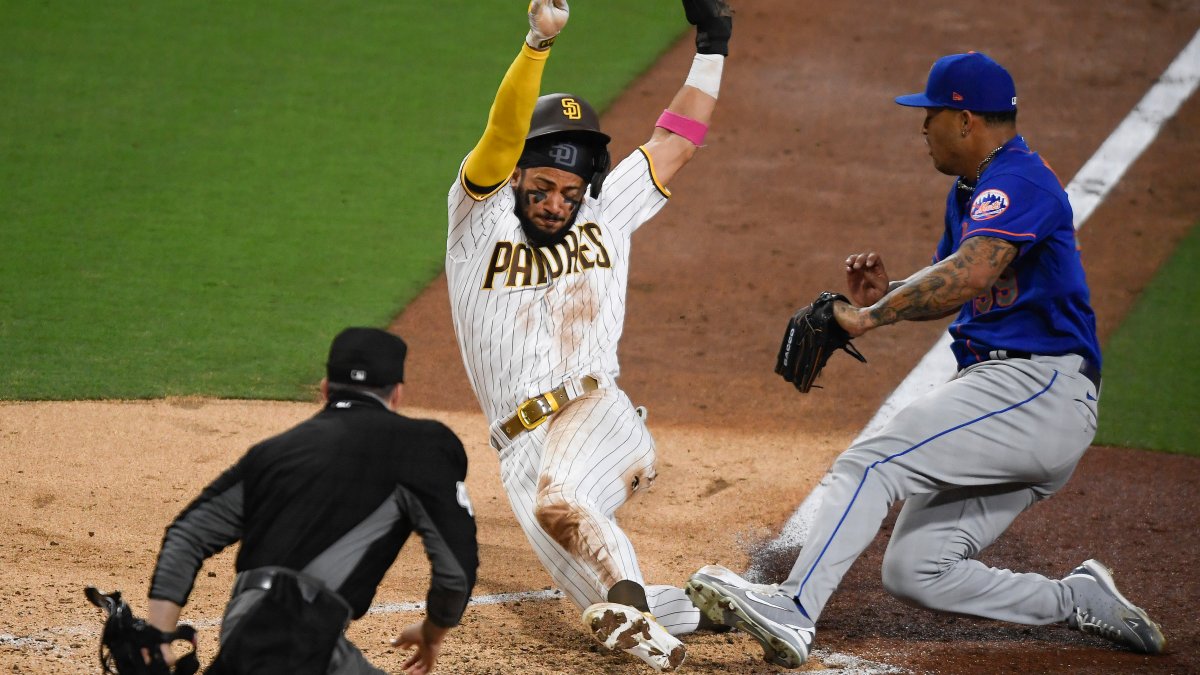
<point>1086,191</point>
<point>48,640</point>
<point>845,664</point>
<point>497,599</point>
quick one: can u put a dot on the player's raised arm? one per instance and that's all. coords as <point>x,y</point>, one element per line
<point>682,126</point>
<point>495,155</point>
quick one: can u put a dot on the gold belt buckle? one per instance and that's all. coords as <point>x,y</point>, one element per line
<point>533,412</point>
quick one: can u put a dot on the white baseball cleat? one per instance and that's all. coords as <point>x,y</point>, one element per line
<point>731,578</point>
<point>623,627</point>
<point>761,611</point>
<point>1101,610</point>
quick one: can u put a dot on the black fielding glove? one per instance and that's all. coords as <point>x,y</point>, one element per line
<point>811,337</point>
<point>713,20</point>
<point>125,636</point>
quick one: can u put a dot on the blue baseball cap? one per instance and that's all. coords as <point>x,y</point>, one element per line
<point>971,81</point>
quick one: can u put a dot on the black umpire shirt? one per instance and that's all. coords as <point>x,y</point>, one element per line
<point>338,494</point>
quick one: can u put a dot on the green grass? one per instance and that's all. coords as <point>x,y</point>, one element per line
<point>195,196</point>
<point>1152,363</point>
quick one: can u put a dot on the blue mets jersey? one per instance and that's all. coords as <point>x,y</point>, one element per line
<point>1040,304</point>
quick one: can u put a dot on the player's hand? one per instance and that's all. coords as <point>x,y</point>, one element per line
<point>546,20</point>
<point>427,638</point>
<point>714,25</point>
<point>168,654</point>
<point>866,278</point>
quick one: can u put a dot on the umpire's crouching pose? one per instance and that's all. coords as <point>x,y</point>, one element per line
<point>322,511</point>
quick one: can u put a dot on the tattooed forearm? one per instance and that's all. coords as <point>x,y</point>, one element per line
<point>922,295</point>
<point>942,288</point>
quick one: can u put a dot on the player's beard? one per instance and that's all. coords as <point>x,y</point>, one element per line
<point>535,235</point>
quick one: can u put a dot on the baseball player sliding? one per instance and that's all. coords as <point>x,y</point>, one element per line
<point>537,259</point>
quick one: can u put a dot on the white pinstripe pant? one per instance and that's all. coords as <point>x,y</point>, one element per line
<point>566,479</point>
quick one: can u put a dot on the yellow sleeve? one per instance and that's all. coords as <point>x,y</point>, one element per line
<point>495,155</point>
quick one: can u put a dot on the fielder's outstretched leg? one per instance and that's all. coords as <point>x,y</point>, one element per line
<point>989,427</point>
<point>930,558</point>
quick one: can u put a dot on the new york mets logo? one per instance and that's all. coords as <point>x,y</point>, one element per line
<point>989,204</point>
<point>571,109</point>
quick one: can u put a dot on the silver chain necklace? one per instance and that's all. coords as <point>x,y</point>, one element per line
<point>970,189</point>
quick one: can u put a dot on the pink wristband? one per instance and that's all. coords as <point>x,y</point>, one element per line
<point>684,126</point>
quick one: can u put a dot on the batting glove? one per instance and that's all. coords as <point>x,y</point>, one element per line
<point>713,20</point>
<point>546,19</point>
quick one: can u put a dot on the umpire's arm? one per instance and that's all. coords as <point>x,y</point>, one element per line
<point>211,522</point>
<point>443,517</point>
<point>683,125</point>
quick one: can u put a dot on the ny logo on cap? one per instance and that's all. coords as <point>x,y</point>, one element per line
<point>571,109</point>
<point>563,153</point>
<point>358,375</point>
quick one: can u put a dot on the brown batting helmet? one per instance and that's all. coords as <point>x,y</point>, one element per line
<point>571,118</point>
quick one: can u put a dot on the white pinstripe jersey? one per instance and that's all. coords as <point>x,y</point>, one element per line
<point>527,319</point>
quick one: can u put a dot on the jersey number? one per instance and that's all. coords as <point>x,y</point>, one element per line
<point>1002,294</point>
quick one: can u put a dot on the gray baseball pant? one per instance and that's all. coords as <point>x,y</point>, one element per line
<point>967,458</point>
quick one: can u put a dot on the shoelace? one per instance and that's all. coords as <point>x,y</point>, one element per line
<point>1093,625</point>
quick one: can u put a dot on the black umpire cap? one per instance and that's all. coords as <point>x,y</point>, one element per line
<point>368,357</point>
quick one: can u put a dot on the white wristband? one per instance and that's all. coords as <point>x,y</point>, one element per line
<point>705,74</point>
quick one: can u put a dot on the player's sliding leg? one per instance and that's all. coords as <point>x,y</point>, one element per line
<point>582,577</point>
<point>594,455</point>
<point>598,453</point>
<point>618,625</point>
<point>519,464</point>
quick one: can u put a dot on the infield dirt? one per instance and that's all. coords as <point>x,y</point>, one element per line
<point>808,160</point>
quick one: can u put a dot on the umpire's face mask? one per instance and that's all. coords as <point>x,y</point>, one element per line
<point>548,201</point>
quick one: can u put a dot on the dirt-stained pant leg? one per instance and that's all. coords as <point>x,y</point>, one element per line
<point>598,452</point>
<point>991,442</point>
<point>566,479</point>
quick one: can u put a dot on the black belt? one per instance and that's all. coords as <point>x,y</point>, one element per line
<point>1086,368</point>
<point>263,578</point>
